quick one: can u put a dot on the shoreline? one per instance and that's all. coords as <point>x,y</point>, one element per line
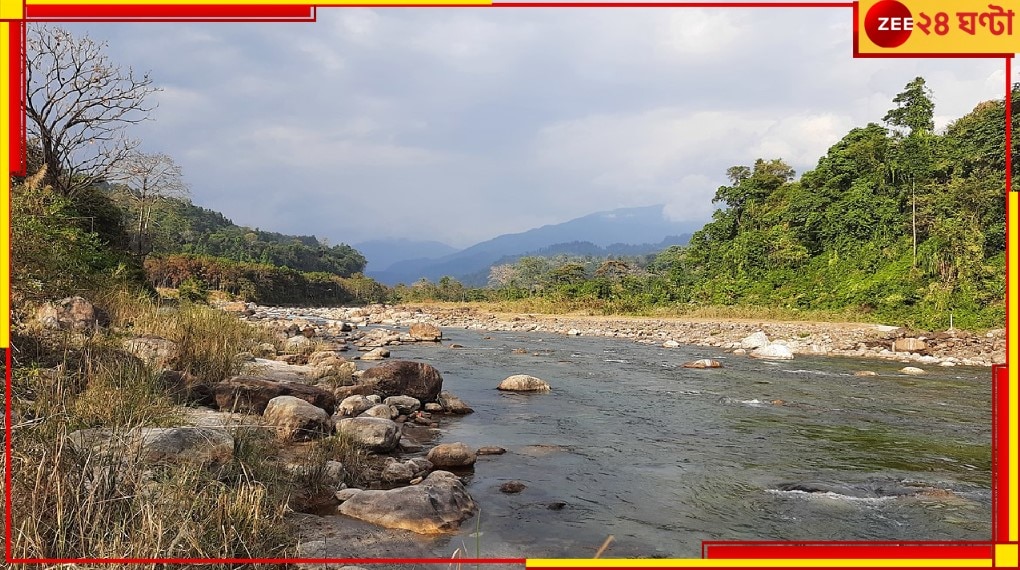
<point>810,338</point>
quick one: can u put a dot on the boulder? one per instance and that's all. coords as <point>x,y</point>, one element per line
<point>376,434</point>
<point>298,343</point>
<point>296,419</point>
<point>249,394</point>
<point>436,505</point>
<point>404,377</point>
<point>403,471</point>
<point>703,363</point>
<point>353,406</point>
<point>523,383</point>
<point>154,351</point>
<point>490,450</point>
<point>425,332</point>
<point>205,446</point>
<point>912,370</point>
<point>71,313</point>
<point>773,351</point>
<point>404,404</point>
<point>451,455</point>
<point>264,350</point>
<point>671,344</point>
<point>909,345</point>
<point>756,340</point>
<point>865,373</point>
<point>376,354</point>
<point>511,487</point>
<point>380,411</point>
<point>452,404</point>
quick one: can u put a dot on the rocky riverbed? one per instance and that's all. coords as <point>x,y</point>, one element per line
<point>945,348</point>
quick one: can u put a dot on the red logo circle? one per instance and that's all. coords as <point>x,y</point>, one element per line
<point>888,24</point>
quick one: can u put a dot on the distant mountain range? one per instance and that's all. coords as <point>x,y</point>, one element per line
<point>625,231</point>
<point>382,253</point>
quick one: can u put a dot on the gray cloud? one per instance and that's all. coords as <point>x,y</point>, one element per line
<point>458,125</point>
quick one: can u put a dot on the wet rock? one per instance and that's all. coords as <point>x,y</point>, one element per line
<point>404,377</point>
<point>523,383</point>
<point>511,487</point>
<point>296,419</point>
<point>436,505</point>
<point>376,434</point>
<point>425,332</point>
<point>865,373</point>
<point>703,363</point>
<point>490,450</point>
<point>451,455</point>
<point>912,370</point>
<point>453,405</point>
<point>433,408</point>
<point>670,344</point>
<point>249,394</point>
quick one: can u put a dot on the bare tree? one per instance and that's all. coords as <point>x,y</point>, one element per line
<point>78,106</point>
<point>149,178</point>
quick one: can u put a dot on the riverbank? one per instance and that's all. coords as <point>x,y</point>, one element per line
<point>860,340</point>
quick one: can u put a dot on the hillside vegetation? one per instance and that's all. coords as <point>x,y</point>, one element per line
<point>896,223</point>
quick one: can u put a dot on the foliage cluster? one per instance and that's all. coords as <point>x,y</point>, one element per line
<point>261,283</point>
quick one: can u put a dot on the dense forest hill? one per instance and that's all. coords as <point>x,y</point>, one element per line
<point>894,220</point>
<point>896,223</point>
<point>176,226</point>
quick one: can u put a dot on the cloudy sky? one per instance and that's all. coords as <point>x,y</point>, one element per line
<point>459,125</point>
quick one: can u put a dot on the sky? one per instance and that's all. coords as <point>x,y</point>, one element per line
<point>458,125</point>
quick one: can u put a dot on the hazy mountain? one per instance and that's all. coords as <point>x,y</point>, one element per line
<point>645,225</point>
<point>382,253</point>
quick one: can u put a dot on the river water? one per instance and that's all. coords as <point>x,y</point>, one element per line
<point>631,444</point>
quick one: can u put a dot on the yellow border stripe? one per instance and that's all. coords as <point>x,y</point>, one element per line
<point>5,171</point>
<point>758,563</point>
<point>1012,355</point>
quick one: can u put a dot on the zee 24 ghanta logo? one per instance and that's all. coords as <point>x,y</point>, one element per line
<point>889,23</point>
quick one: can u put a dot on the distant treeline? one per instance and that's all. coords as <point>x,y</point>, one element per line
<point>263,283</point>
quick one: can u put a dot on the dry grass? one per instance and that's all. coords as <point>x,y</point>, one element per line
<point>72,503</point>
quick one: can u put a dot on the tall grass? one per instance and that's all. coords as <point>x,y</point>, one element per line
<point>100,501</point>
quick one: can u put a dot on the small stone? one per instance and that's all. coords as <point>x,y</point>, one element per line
<point>703,363</point>
<point>865,373</point>
<point>512,487</point>
<point>491,450</point>
<point>912,370</point>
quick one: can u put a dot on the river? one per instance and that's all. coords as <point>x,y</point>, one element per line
<point>631,444</point>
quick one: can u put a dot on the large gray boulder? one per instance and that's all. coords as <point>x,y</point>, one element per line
<point>296,419</point>
<point>425,332</point>
<point>452,404</point>
<point>404,377</point>
<point>404,404</point>
<point>773,351</point>
<point>436,505</point>
<point>376,434</point>
<point>451,455</point>
<point>753,341</point>
<point>523,383</point>
<point>353,406</point>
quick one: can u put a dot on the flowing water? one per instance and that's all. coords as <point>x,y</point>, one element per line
<point>631,444</point>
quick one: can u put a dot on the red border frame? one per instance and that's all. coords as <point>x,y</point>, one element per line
<point>710,549</point>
